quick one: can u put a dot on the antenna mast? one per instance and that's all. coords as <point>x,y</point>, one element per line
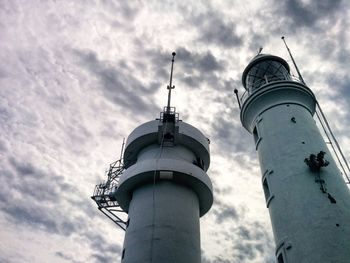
<point>295,64</point>
<point>170,87</point>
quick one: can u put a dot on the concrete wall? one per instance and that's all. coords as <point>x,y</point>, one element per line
<point>164,190</point>
<point>309,208</point>
<point>307,227</point>
<point>164,225</point>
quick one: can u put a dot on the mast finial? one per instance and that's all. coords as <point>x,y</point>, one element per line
<point>170,86</point>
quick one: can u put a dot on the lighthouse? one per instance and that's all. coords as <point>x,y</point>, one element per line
<point>163,187</point>
<point>307,198</point>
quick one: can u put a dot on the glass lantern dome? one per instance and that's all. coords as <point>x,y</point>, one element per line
<point>264,69</point>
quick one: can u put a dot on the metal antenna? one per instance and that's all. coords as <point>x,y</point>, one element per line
<point>122,150</point>
<point>295,64</point>
<point>238,100</point>
<point>260,49</point>
<point>170,87</point>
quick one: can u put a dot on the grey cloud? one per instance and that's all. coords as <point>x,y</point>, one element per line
<point>342,51</point>
<point>103,258</point>
<point>214,30</point>
<point>186,60</point>
<point>32,197</point>
<point>342,83</point>
<point>340,96</point>
<point>37,183</point>
<point>39,216</point>
<point>79,135</point>
<point>226,190</point>
<point>48,213</point>
<point>246,241</point>
<point>231,137</point>
<point>5,114</point>
<point>244,251</point>
<point>103,251</point>
<point>66,257</point>
<point>205,259</point>
<point>252,231</point>
<point>190,67</point>
<point>221,260</point>
<point>254,241</point>
<point>306,15</point>
<point>124,11</point>
<point>204,62</point>
<point>259,247</point>
<point>33,217</point>
<point>25,168</point>
<point>208,63</point>
<point>192,81</point>
<point>224,212</point>
<point>128,9</point>
<point>244,233</point>
<point>118,86</point>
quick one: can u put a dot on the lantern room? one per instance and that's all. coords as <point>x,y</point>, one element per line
<point>264,69</point>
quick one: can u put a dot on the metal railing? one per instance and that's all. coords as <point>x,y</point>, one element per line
<point>104,193</point>
<point>169,114</point>
<point>261,83</point>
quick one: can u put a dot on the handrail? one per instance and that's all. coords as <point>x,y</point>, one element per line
<point>342,161</point>
<point>261,83</point>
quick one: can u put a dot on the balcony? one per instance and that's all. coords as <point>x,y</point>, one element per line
<point>261,83</point>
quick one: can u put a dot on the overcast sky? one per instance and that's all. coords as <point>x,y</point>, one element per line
<point>76,77</point>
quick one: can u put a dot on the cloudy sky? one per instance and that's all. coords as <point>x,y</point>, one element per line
<point>76,77</point>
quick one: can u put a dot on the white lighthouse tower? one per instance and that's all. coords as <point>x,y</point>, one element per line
<point>307,198</point>
<point>164,189</point>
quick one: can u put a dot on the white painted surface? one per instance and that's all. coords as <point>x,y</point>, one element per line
<point>307,227</point>
<point>164,191</point>
<point>149,133</point>
<point>164,225</point>
<point>301,214</point>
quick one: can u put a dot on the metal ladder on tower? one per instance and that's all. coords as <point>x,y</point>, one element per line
<point>104,194</point>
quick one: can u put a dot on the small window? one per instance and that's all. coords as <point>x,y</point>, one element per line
<point>281,252</point>
<point>266,189</point>
<point>256,136</point>
<point>199,162</point>
<point>123,253</point>
<point>257,133</point>
<point>280,258</point>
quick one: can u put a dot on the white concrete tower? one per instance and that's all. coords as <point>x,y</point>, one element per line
<point>307,198</point>
<point>164,189</point>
